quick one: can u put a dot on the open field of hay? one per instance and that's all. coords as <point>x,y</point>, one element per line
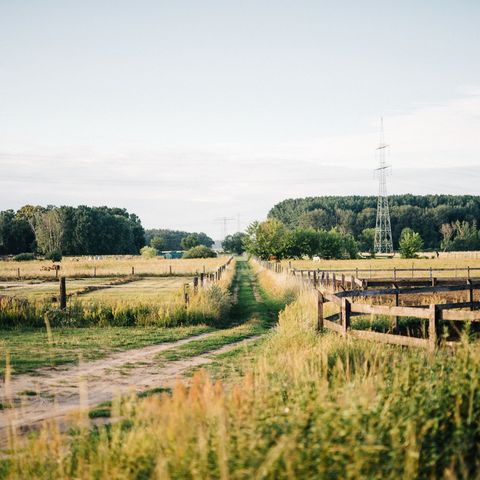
<point>461,264</point>
<point>109,267</point>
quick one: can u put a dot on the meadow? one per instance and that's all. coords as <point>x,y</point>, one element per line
<point>296,404</point>
<point>369,266</point>
<point>303,405</point>
<point>104,315</point>
<point>109,266</point>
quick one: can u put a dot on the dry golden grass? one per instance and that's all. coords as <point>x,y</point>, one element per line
<point>390,263</point>
<point>110,266</point>
<point>308,406</point>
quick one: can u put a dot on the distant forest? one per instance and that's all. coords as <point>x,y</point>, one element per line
<point>172,239</point>
<point>437,218</point>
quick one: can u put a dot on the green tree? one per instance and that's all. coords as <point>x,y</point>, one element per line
<point>267,239</point>
<point>148,252</point>
<point>410,243</point>
<point>200,251</point>
<point>49,231</point>
<point>234,243</point>
<point>302,242</point>
<point>16,235</point>
<point>330,244</point>
<point>467,237</point>
<point>190,241</point>
<point>158,243</point>
<point>367,240</point>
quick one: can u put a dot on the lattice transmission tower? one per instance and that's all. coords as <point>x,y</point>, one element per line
<point>383,229</point>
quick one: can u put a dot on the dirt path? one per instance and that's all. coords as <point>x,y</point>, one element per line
<point>89,384</point>
<point>57,392</point>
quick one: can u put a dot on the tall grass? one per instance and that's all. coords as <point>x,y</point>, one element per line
<point>209,305</point>
<point>110,266</point>
<point>310,406</point>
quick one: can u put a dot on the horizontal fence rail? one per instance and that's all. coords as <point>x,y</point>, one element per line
<point>199,280</point>
<point>344,291</point>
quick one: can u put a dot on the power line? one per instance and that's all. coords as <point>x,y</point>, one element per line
<point>224,221</point>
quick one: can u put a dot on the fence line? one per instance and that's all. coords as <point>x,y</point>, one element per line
<point>336,287</point>
<point>199,281</point>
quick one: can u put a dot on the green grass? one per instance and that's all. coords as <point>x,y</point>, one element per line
<point>248,317</point>
<point>305,405</point>
<point>30,349</point>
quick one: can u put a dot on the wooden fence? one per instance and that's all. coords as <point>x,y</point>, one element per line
<point>199,281</point>
<point>342,290</point>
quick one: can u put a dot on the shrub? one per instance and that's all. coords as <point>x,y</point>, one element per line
<point>410,243</point>
<point>200,252</point>
<point>148,252</point>
<point>54,255</point>
<point>21,257</point>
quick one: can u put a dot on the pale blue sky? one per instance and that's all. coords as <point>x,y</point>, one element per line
<point>183,111</point>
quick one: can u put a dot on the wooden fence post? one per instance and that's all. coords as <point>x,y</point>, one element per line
<point>195,284</point>
<point>170,269</point>
<point>18,272</point>
<point>94,271</point>
<point>63,293</point>
<point>397,304</point>
<point>201,278</point>
<point>345,315</point>
<point>320,312</point>
<point>315,278</point>
<point>133,270</point>
<point>433,321</point>
<point>470,292</point>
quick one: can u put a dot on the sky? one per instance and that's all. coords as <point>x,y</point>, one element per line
<point>188,111</point>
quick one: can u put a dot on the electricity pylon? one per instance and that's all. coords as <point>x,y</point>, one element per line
<point>383,228</point>
<point>224,221</point>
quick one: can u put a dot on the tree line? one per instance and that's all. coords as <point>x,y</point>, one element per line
<point>273,239</point>
<point>447,222</point>
<point>68,230</point>
<point>165,239</point>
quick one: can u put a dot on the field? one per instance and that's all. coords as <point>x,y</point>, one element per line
<point>138,290</point>
<point>370,265</point>
<point>292,402</point>
<point>109,266</point>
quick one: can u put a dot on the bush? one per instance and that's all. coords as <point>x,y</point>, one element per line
<point>410,243</point>
<point>54,256</point>
<point>148,252</point>
<point>200,252</point>
<point>21,257</point>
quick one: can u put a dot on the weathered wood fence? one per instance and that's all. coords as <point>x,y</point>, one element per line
<point>344,290</point>
<point>199,281</point>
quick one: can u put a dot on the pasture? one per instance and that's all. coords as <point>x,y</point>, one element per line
<point>108,266</point>
<point>300,403</point>
<point>378,267</point>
